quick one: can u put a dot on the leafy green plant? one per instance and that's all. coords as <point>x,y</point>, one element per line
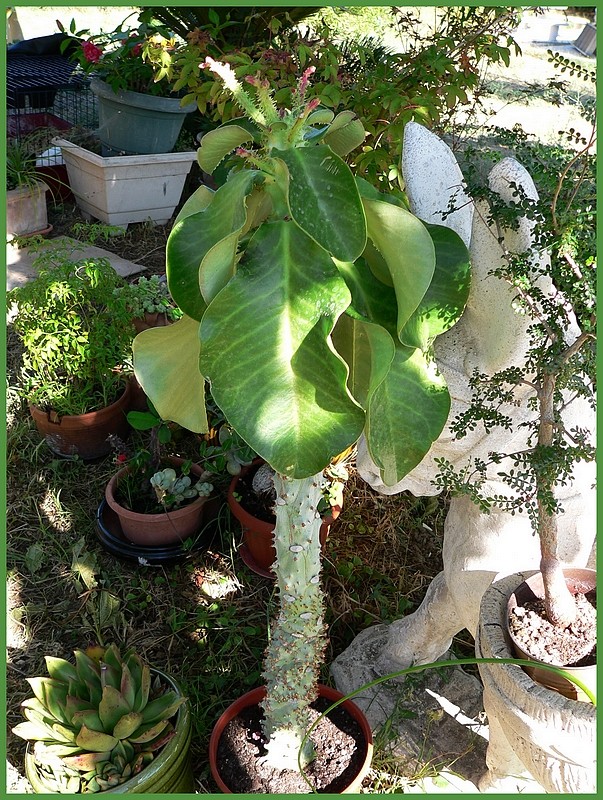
<point>310,303</point>
<point>149,296</point>
<point>438,73</point>
<point>559,365</point>
<point>76,334</point>
<point>21,167</point>
<point>149,486</point>
<point>97,723</point>
<point>133,58</point>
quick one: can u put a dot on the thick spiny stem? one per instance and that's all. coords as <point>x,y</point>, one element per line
<point>298,638</point>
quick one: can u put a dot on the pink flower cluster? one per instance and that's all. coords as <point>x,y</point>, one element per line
<point>92,53</point>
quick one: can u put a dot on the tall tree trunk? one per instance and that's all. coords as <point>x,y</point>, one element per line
<point>559,602</point>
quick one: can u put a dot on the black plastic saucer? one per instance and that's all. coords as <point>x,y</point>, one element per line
<point>109,532</point>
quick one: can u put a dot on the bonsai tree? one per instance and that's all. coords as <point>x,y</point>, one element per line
<point>555,289</point>
<point>310,303</point>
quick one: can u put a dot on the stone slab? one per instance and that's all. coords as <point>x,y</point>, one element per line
<point>19,261</point>
<point>433,721</point>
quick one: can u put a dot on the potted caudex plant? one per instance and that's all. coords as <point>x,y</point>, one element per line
<point>555,290</point>
<point>310,301</point>
<point>77,339</point>
<point>108,723</point>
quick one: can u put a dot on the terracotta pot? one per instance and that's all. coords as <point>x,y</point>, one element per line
<point>577,580</point>
<point>170,772</point>
<point>258,550</point>
<point>255,696</point>
<point>154,530</point>
<point>157,319</point>
<point>84,435</point>
<point>530,727</point>
<point>26,213</point>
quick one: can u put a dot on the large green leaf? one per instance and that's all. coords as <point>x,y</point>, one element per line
<point>166,364</point>
<point>194,236</point>
<point>371,300</point>
<point>266,349</point>
<point>198,201</point>
<point>368,350</point>
<point>324,200</point>
<point>217,144</point>
<point>345,134</point>
<point>445,300</point>
<point>407,249</point>
<point>406,414</point>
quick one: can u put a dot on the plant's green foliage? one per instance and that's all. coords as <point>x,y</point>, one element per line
<point>436,71</point>
<point>98,723</point>
<point>149,296</point>
<point>76,333</point>
<point>301,341</point>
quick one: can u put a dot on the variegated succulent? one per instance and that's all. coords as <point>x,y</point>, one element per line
<point>97,723</point>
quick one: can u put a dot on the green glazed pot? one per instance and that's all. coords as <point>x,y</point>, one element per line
<point>170,772</point>
<point>132,123</point>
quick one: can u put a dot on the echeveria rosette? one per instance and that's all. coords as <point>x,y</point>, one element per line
<point>96,723</point>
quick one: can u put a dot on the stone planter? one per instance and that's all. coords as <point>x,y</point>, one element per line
<point>26,213</point>
<point>122,189</point>
<point>532,728</point>
<point>133,123</point>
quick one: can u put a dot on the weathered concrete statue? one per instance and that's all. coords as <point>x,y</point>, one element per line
<point>490,336</point>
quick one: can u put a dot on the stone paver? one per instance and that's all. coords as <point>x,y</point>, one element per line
<point>19,261</point>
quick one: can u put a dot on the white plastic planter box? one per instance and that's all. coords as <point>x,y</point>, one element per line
<point>121,189</point>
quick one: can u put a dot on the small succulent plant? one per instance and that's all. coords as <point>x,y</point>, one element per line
<point>172,490</point>
<point>97,723</point>
<point>150,296</point>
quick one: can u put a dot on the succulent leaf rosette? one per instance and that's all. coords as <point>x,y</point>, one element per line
<point>98,722</point>
<point>310,304</point>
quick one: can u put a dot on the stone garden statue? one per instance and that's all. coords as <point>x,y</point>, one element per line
<point>490,336</point>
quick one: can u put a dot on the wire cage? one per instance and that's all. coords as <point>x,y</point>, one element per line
<point>46,93</point>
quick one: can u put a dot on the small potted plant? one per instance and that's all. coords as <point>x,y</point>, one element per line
<point>108,723</point>
<point>149,302</point>
<point>130,69</point>
<point>251,498</point>
<point>310,307</point>
<point>77,339</point>
<point>159,499</point>
<point>26,212</point>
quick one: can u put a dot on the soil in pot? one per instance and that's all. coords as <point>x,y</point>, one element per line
<point>536,638</point>
<point>340,745</point>
<point>574,646</point>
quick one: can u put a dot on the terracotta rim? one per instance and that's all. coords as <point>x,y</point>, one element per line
<point>255,696</point>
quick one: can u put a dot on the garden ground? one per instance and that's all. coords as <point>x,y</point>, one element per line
<point>205,620</point>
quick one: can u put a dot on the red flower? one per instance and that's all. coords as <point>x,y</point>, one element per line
<point>136,50</point>
<point>121,458</point>
<point>92,53</point>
